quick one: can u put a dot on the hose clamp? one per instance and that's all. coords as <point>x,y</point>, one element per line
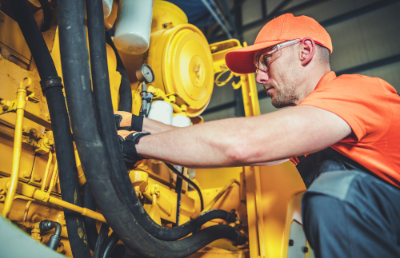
<point>51,82</point>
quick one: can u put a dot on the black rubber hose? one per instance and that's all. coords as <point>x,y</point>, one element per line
<point>101,90</point>
<point>110,245</point>
<point>125,92</point>
<point>180,175</point>
<point>119,251</point>
<point>90,224</point>
<point>108,131</point>
<point>74,59</point>
<point>60,125</point>
<point>178,191</point>
<point>54,240</point>
<point>47,14</point>
<point>101,241</point>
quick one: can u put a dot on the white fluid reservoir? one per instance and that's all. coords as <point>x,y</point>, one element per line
<point>181,121</point>
<point>107,7</point>
<point>161,111</point>
<point>132,30</point>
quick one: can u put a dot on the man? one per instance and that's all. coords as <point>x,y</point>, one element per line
<point>342,133</point>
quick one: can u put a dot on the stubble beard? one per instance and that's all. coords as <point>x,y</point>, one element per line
<point>284,97</point>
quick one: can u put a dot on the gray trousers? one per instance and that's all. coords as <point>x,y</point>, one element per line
<point>352,214</point>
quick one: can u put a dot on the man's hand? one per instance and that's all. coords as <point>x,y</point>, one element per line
<point>128,121</point>
<point>128,141</point>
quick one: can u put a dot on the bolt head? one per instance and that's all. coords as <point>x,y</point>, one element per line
<point>26,174</point>
<point>37,178</point>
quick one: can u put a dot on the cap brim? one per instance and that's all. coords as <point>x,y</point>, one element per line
<point>241,60</point>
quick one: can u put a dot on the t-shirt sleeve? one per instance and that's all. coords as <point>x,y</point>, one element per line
<point>361,101</point>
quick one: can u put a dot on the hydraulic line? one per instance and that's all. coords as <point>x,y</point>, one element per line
<point>52,89</point>
<point>74,58</point>
<point>108,132</point>
<point>178,191</point>
<point>54,240</point>
<point>189,181</point>
<point>90,224</point>
<point>110,245</point>
<point>47,14</point>
<point>101,241</point>
<point>125,92</point>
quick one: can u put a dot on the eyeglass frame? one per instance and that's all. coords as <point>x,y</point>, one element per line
<point>270,51</point>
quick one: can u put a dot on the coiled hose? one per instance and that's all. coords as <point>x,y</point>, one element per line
<point>52,89</point>
<point>74,58</point>
<point>108,133</point>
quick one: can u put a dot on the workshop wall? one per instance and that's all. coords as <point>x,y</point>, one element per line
<point>369,39</point>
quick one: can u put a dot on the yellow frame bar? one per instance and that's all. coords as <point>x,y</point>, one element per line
<point>21,103</point>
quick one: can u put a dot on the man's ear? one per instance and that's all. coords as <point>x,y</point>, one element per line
<point>307,50</point>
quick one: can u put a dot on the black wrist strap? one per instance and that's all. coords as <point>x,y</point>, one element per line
<point>136,123</point>
<point>128,147</point>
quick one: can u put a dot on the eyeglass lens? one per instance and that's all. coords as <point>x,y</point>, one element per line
<point>265,59</point>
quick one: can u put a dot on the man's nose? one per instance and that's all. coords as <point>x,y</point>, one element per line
<point>262,77</point>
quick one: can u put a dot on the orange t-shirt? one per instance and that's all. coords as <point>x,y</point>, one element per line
<point>371,107</point>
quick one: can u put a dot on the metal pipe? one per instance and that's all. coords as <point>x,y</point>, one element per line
<point>293,9</point>
<point>28,205</point>
<point>53,178</point>
<point>39,195</point>
<point>279,8</point>
<point>214,14</point>
<point>216,198</point>
<point>21,103</point>
<point>46,173</point>
<point>219,13</point>
<point>228,13</point>
<point>42,196</point>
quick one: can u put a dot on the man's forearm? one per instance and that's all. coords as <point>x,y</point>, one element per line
<point>195,146</point>
<point>245,141</point>
<point>154,127</point>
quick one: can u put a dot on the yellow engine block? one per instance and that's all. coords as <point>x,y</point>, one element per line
<point>266,199</point>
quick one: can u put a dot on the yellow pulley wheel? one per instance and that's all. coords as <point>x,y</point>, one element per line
<point>187,67</point>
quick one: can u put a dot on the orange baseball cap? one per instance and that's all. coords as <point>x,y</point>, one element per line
<point>283,28</point>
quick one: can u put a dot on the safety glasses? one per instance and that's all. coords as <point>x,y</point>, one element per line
<point>264,59</point>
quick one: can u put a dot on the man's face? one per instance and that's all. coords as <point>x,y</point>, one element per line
<point>281,79</point>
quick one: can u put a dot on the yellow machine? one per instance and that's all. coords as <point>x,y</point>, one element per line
<point>266,200</point>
